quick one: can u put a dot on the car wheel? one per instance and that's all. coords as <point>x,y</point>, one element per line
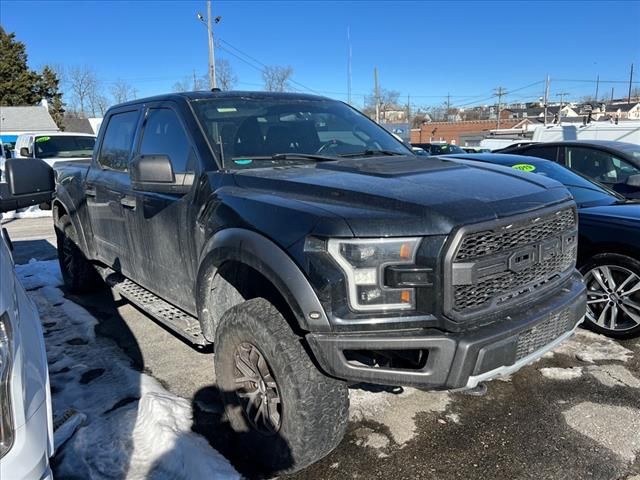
<point>77,272</point>
<point>613,295</point>
<point>285,412</point>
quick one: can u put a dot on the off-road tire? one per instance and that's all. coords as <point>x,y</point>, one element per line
<point>77,272</point>
<point>612,260</point>
<point>314,407</point>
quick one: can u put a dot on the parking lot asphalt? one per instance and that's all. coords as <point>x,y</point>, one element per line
<point>575,414</point>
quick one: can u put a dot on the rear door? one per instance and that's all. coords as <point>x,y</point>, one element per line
<point>107,188</point>
<point>163,222</point>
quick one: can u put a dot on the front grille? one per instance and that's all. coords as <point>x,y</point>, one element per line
<point>523,233</point>
<point>543,333</point>
<point>494,267</point>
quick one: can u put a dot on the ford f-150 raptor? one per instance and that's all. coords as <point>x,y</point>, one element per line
<point>313,249</point>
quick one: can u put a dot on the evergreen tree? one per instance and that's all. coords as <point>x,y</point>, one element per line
<point>20,85</point>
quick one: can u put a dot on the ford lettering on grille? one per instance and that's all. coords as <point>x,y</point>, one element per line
<point>494,268</point>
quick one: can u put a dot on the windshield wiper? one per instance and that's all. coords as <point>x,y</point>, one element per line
<point>370,153</point>
<point>306,156</point>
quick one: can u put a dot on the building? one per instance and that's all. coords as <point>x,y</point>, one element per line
<point>465,133</point>
<point>15,121</point>
<point>624,111</point>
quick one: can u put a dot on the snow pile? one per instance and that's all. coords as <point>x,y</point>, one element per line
<point>590,347</point>
<point>133,428</point>
<point>29,212</point>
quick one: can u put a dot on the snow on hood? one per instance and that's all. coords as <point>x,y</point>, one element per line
<point>133,428</point>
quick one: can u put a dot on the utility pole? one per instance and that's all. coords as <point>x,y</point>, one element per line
<point>611,94</point>
<point>561,95</point>
<point>597,86</point>
<point>195,87</point>
<point>212,63</point>
<point>500,92</point>
<point>630,83</point>
<point>349,65</point>
<point>409,114</point>
<point>376,90</point>
<point>546,100</point>
<point>446,114</point>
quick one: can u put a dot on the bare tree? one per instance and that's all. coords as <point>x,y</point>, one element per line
<point>276,78</point>
<point>122,91</point>
<point>98,102</point>
<point>388,100</point>
<point>225,77</point>
<point>193,83</point>
<point>82,81</point>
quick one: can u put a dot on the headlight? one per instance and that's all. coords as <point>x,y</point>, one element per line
<point>6,363</point>
<point>364,262</point>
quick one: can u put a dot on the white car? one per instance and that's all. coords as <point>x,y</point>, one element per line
<point>55,147</point>
<point>26,424</point>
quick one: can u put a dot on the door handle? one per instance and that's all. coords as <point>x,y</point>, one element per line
<point>90,191</point>
<point>128,202</point>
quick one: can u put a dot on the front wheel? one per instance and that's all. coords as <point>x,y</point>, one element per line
<point>613,295</point>
<point>286,413</point>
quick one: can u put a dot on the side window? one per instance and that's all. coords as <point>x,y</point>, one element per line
<point>118,139</point>
<point>548,153</point>
<point>599,165</point>
<point>163,134</point>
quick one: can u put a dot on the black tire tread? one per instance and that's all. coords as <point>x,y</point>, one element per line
<point>83,278</point>
<point>321,402</point>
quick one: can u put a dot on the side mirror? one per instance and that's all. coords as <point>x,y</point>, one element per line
<point>633,180</point>
<point>154,173</point>
<point>30,181</point>
<point>24,152</point>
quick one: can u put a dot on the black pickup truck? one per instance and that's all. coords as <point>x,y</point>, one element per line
<point>314,250</point>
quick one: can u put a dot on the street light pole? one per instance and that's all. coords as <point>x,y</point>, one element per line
<point>212,63</point>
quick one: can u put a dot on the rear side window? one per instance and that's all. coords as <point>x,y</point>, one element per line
<point>164,135</point>
<point>548,153</point>
<point>118,139</point>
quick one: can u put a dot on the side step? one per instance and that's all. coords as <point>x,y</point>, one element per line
<point>172,317</point>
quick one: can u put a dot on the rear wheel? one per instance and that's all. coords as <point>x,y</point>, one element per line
<point>613,295</point>
<point>77,272</point>
<point>285,412</point>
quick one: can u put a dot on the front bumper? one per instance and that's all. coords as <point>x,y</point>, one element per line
<point>455,361</point>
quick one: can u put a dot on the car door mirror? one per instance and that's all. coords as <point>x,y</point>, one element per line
<point>30,181</point>
<point>24,152</point>
<point>633,180</point>
<point>154,173</point>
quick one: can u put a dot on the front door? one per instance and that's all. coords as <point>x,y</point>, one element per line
<point>163,222</point>
<point>107,185</point>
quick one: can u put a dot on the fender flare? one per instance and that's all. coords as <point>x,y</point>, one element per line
<point>71,210</point>
<point>264,256</point>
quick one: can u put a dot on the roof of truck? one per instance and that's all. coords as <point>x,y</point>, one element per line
<point>202,95</point>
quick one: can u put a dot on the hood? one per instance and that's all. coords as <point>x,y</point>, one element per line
<point>620,213</point>
<point>408,195</point>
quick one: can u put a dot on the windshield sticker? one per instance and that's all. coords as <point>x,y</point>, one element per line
<point>525,167</point>
<point>227,109</point>
<point>242,161</point>
<point>42,139</point>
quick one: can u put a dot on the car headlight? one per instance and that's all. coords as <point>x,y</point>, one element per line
<point>6,364</point>
<point>377,273</point>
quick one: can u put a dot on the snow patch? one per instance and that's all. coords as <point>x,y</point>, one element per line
<point>555,373</point>
<point>29,212</point>
<point>39,274</point>
<point>396,411</point>
<point>614,376</point>
<point>128,425</point>
<point>590,347</point>
<point>616,428</point>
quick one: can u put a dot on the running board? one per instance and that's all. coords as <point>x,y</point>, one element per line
<point>177,320</point>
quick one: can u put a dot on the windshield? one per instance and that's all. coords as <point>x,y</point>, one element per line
<point>66,146</point>
<point>584,191</point>
<point>249,132</point>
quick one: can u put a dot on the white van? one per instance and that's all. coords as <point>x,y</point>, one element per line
<point>54,147</point>
<point>628,132</point>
